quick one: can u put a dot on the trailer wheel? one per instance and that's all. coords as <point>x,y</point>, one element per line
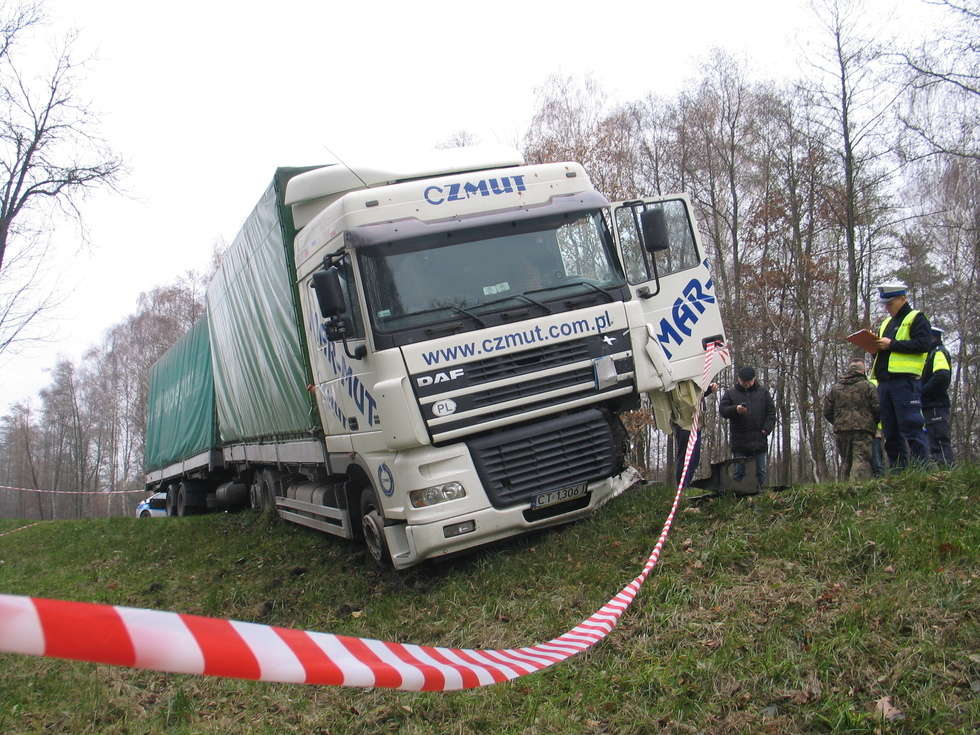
<point>182,507</point>
<point>171,500</point>
<point>373,528</point>
<point>262,492</point>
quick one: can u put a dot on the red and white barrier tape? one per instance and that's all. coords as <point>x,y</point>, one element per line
<point>72,492</point>
<point>15,530</point>
<point>190,644</point>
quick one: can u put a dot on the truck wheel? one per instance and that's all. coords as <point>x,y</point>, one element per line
<point>181,501</point>
<point>262,493</point>
<point>171,500</point>
<point>145,514</point>
<point>373,528</point>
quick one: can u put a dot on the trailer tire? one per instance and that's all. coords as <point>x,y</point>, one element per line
<point>182,508</point>
<point>373,528</point>
<point>262,493</point>
<point>171,500</point>
<point>192,498</point>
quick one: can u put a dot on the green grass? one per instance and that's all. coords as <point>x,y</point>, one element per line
<point>7,524</point>
<point>793,612</point>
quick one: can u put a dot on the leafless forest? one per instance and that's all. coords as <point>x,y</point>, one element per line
<point>807,194</point>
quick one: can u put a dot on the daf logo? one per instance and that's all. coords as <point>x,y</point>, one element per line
<point>445,377</point>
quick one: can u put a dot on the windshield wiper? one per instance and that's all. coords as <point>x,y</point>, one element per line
<point>568,285</point>
<point>517,296</point>
<point>470,314</point>
<point>600,290</point>
<point>537,303</point>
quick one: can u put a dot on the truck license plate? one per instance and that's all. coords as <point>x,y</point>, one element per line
<point>559,496</point>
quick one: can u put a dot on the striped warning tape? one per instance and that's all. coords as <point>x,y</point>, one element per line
<point>72,492</point>
<point>20,528</point>
<point>190,644</point>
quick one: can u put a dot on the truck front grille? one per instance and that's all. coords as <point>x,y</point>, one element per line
<point>528,388</point>
<point>528,361</point>
<point>517,464</point>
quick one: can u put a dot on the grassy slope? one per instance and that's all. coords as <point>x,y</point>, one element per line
<point>789,613</point>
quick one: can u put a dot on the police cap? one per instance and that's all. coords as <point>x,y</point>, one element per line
<point>891,290</point>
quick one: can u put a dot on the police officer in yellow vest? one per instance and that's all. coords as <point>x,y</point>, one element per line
<point>935,400</point>
<point>904,340</point>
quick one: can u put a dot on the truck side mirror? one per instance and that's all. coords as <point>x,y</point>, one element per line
<point>653,223</point>
<point>329,294</point>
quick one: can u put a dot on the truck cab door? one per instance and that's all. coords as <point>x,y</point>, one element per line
<point>673,312</point>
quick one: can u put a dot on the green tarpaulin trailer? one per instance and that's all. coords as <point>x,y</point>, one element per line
<point>240,375</point>
<point>180,418</point>
<point>259,353</point>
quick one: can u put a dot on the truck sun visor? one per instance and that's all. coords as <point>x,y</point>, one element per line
<point>407,228</point>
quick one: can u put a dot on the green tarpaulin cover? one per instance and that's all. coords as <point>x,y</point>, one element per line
<point>180,406</point>
<point>261,368</point>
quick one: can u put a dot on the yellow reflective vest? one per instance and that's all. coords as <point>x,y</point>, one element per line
<point>903,362</point>
<point>939,361</point>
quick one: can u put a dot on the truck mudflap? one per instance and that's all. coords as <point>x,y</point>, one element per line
<point>411,544</point>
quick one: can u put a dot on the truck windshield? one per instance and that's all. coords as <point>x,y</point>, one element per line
<point>469,273</point>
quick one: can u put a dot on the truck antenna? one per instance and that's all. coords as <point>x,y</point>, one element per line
<point>341,162</point>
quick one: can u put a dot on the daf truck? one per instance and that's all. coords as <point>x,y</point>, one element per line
<point>433,356</point>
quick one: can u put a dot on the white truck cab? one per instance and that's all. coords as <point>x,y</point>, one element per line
<point>475,328</point>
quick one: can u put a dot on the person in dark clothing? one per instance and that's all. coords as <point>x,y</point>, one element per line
<point>681,436</point>
<point>852,407</point>
<point>752,416</point>
<point>904,339</point>
<point>936,375</point>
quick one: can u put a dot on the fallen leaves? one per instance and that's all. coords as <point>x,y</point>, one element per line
<point>811,691</point>
<point>886,709</point>
<point>830,596</point>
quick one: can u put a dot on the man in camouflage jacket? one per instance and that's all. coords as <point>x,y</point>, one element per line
<point>852,407</point>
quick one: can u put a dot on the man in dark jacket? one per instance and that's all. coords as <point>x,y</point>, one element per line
<point>852,407</point>
<point>752,413</point>
<point>935,400</point>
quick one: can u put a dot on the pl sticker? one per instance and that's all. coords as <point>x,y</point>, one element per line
<point>445,407</point>
<point>386,480</point>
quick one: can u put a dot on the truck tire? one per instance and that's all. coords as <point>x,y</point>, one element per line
<point>171,500</point>
<point>262,492</point>
<point>145,514</point>
<point>192,498</point>
<point>181,504</point>
<point>373,528</point>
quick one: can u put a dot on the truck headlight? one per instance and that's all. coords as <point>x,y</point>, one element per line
<point>437,494</point>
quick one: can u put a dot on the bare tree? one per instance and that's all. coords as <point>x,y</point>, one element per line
<point>458,139</point>
<point>941,112</point>
<point>50,155</point>
<point>853,90</point>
